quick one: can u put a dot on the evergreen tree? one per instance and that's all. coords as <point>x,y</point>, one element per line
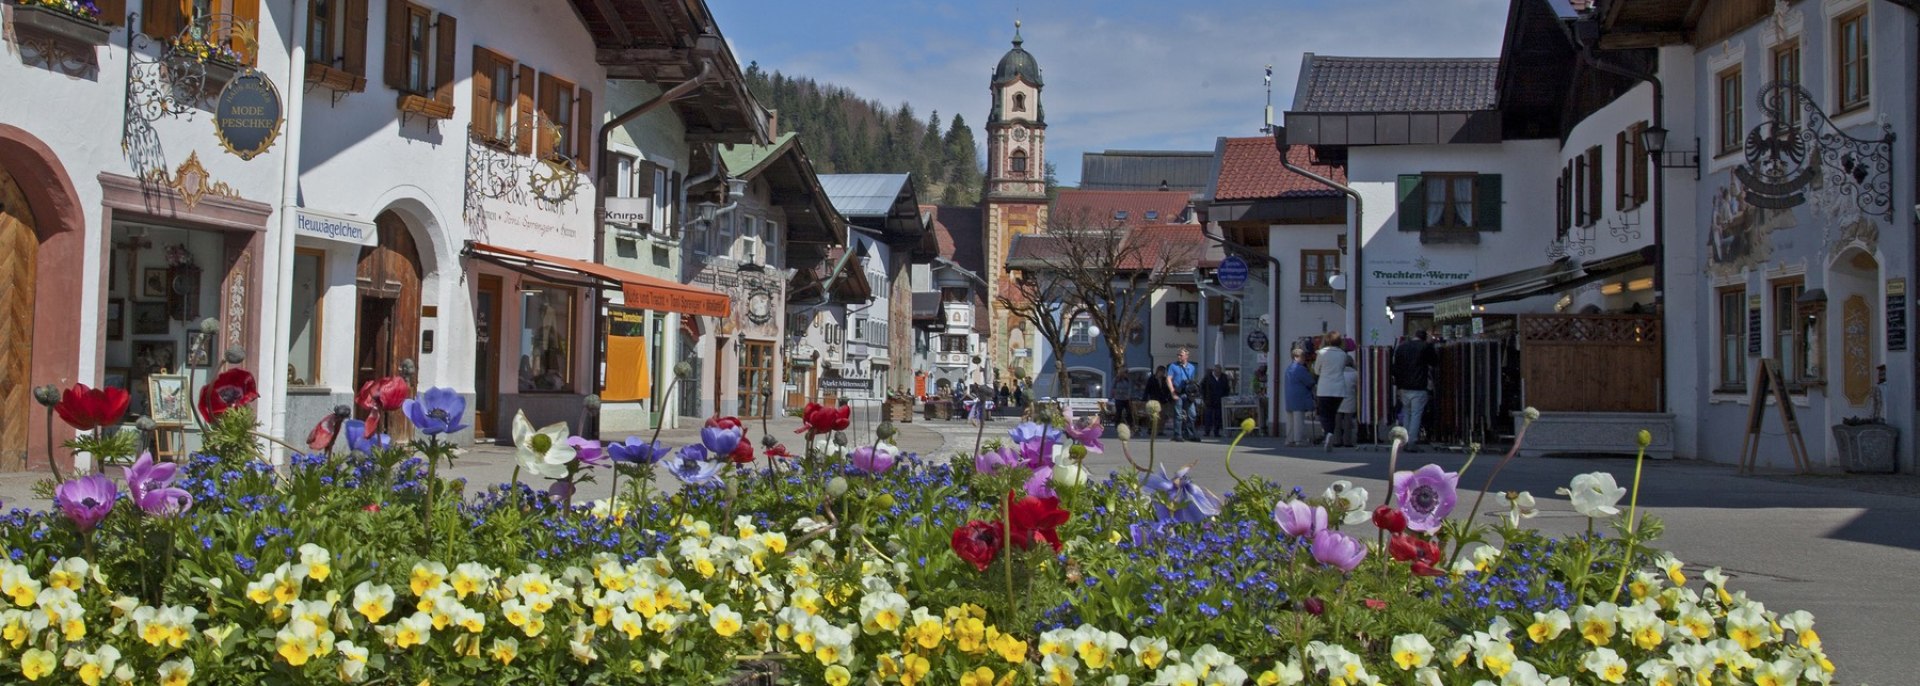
<point>933,159</point>
<point>963,165</point>
<point>1053,183</point>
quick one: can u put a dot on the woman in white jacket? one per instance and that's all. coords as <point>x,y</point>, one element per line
<point>1330,364</point>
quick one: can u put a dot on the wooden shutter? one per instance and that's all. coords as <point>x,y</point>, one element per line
<point>112,12</point>
<point>1620,152</point>
<point>481,125</point>
<point>1639,164</point>
<point>1579,191</point>
<point>246,13</point>
<point>397,44</point>
<point>354,39</point>
<point>444,40</point>
<point>523,134</point>
<point>543,136</point>
<point>161,19</point>
<point>586,130</point>
<point>1593,183</point>
<point>1413,203</point>
<point>1487,202</point>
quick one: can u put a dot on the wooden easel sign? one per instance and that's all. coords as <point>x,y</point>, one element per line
<point>1767,380</point>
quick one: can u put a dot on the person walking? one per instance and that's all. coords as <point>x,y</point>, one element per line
<point>1159,391</point>
<point>1297,390</point>
<point>1123,399</point>
<point>1183,382</point>
<point>1413,363</point>
<point>1330,386</point>
<point>1349,428</point>
<point>1213,390</point>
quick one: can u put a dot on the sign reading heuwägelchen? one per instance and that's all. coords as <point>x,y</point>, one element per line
<point>248,114</point>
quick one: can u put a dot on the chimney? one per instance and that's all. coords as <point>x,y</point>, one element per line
<point>773,124</point>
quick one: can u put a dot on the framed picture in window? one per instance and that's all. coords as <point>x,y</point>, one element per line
<point>155,357</point>
<point>153,282</point>
<point>150,318</point>
<point>116,319</point>
<point>169,405</point>
<point>199,349</point>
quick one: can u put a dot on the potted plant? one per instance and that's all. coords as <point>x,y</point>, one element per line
<point>71,21</point>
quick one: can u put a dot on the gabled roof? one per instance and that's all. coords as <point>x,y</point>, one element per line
<point>1395,84</point>
<point>882,202</point>
<point>1250,169</point>
<point>1098,208</point>
<point>1145,170</point>
<point>812,221</point>
<point>747,161</point>
<point>671,43</point>
<point>956,235</point>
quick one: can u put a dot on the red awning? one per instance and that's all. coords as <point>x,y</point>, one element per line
<point>639,290</point>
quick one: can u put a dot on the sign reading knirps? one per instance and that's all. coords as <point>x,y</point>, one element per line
<point>248,114</point>
<point>334,227</point>
<point>1232,273</point>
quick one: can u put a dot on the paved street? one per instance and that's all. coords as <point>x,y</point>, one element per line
<point>1829,544</point>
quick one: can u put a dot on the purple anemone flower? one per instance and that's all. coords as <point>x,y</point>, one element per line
<point>357,439</point>
<point>995,460</point>
<point>720,441</point>
<point>691,467</point>
<point>1040,485</point>
<point>1335,549</point>
<point>587,451</point>
<point>1038,453</point>
<point>1427,496</point>
<point>1087,432</point>
<point>1185,501</point>
<point>86,500</point>
<point>150,484</point>
<point>1300,520</point>
<point>1029,431</point>
<point>634,452</point>
<point>873,459</point>
<point>437,411</point>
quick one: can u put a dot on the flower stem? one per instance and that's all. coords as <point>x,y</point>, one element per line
<point>1633,523</point>
<point>1515,450</point>
<point>51,464</point>
<point>1006,549</point>
<point>433,483</point>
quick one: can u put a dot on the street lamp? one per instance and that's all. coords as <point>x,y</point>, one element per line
<point>1654,139</point>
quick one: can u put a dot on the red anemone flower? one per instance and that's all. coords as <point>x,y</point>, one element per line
<point>1036,519</point>
<point>1424,554</point>
<point>379,396</point>
<point>820,419</point>
<point>232,388</point>
<point>779,450</point>
<point>977,542</point>
<point>742,452</point>
<point>322,434</point>
<point>726,423</point>
<point>86,408</point>
<point>1390,519</point>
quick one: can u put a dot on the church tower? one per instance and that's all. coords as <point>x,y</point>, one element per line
<point>1014,199</point>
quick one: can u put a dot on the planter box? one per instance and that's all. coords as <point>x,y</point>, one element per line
<point>52,23</point>
<point>898,411</point>
<point>1597,433</point>
<point>1867,448</point>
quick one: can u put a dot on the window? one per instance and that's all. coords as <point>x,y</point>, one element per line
<point>1730,103</point>
<point>1153,215</point>
<point>420,45</point>
<point>859,329</point>
<point>750,245</point>
<point>756,378</point>
<point>1850,42</point>
<point>953,344</point>
<point>1119,215</point>
<point>546,328</point>
<point>1449,201</point>
<point>1733,329</point>
<point>556,137</point>
<point>1790,335</point>
<point>337,43</point>
<point>1317,268</point>
<point>1183,314</point>
<point>494,98</point>
<point>1018,164</point>
<point>303,341</point>
<point>1019,102</point>
<point>1786,69</point>
<point>953,295</point>
<point>224,27</point>
<point>1080,332</point>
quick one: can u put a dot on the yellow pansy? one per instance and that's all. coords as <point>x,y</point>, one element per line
<point>36,663</point>
<point>505,650</point>
<point>724,621</point>
<point>838,676</point>
<point>914,669</point>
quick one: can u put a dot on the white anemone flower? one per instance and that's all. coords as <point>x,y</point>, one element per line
<point>1595,495</point>
<point>543,451</point>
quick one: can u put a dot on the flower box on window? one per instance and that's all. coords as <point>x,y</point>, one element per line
<point>74,29</point>
<point>425,106</point>
<point>340,80</point>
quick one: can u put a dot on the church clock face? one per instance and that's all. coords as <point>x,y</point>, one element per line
<point>1019,134</point>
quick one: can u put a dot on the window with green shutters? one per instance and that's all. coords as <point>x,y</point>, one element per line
<point>1447,201</point>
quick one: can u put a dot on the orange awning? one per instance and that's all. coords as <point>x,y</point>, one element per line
<point>639,290</point>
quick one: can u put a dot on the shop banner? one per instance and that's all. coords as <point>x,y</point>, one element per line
<point>333,227</point>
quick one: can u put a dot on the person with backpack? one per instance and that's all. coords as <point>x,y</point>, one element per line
<point>1183,381</point>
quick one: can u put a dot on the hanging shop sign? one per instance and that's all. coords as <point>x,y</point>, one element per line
<point>1232,273</point>
<point>1257,341</point>
<point>248,114</point>
<point>334,227</point>
<point>1453,310</point>
<point>1896,315</point>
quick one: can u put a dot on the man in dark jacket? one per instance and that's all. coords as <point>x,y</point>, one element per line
<point>1213,390</point>
<point>1413,363</point>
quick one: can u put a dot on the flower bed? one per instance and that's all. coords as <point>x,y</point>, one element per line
<point>841,563</point>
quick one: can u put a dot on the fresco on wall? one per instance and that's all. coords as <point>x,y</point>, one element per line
<point>1739,234</point>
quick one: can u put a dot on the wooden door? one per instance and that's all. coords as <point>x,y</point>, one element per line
<point>388,279</point>
<point>18,246</point>
<point>756,376</point>
<point>486,357</point>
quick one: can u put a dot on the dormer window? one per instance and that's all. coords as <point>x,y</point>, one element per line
<point>1119,215</point>
<point>1153,215</point>
<point>1019,102</point>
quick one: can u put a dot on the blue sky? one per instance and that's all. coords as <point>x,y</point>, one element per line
<point>1120,74</point>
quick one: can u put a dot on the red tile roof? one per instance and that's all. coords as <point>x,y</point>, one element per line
<point>1097,208</point>
<point>1173,246</point>
<point>1250,170</point>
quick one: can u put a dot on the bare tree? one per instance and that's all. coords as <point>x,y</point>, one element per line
<point>1039,292</point>
<point>1116,269</point>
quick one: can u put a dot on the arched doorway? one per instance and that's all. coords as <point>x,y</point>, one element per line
<point>19,248</point>
<point>388,281</point>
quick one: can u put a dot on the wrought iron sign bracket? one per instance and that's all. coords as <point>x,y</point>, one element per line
<point>1787,157</point>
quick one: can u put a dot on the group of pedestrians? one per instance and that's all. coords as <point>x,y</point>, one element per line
<point>1190,402</point>
<point>1326,381</point>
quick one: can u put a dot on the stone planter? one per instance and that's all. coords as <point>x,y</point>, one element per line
<point>1867,448</point>
<point>1597,433</point>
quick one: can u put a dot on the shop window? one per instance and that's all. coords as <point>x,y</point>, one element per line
<point>1733,339</point>
<point>337,44</point>
<point>1449,201</point>
<point>546,328</point>
<point>419,59</point>
<point>1850,59</point>
<point>1317,268</point>
<point>493,98</point>
<point>1730,102</point>
<point>1786,69</point>
<point>1183,314</point>
<point>305,311</point>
